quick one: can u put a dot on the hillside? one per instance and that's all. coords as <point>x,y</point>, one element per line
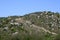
<point>48,20</point>
<point>34,26</point>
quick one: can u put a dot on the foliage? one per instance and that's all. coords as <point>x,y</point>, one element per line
<point>25,31</point>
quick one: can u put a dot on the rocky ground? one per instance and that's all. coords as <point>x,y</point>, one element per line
<point>34,26</point>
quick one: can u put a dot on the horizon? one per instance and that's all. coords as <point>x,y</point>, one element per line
<point>19,8</point>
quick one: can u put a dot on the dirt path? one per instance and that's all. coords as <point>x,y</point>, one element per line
<point>43,29</point>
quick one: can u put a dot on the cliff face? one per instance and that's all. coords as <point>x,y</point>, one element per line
<point>33,26</point>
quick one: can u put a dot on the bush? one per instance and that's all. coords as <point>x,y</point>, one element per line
<point>57,37</point>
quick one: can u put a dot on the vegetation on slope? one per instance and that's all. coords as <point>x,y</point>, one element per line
<point>34,26</point>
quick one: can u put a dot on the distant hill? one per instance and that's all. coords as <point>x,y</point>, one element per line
<point>34,26</point>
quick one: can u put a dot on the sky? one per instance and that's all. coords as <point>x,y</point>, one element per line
<point>22,7</point>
